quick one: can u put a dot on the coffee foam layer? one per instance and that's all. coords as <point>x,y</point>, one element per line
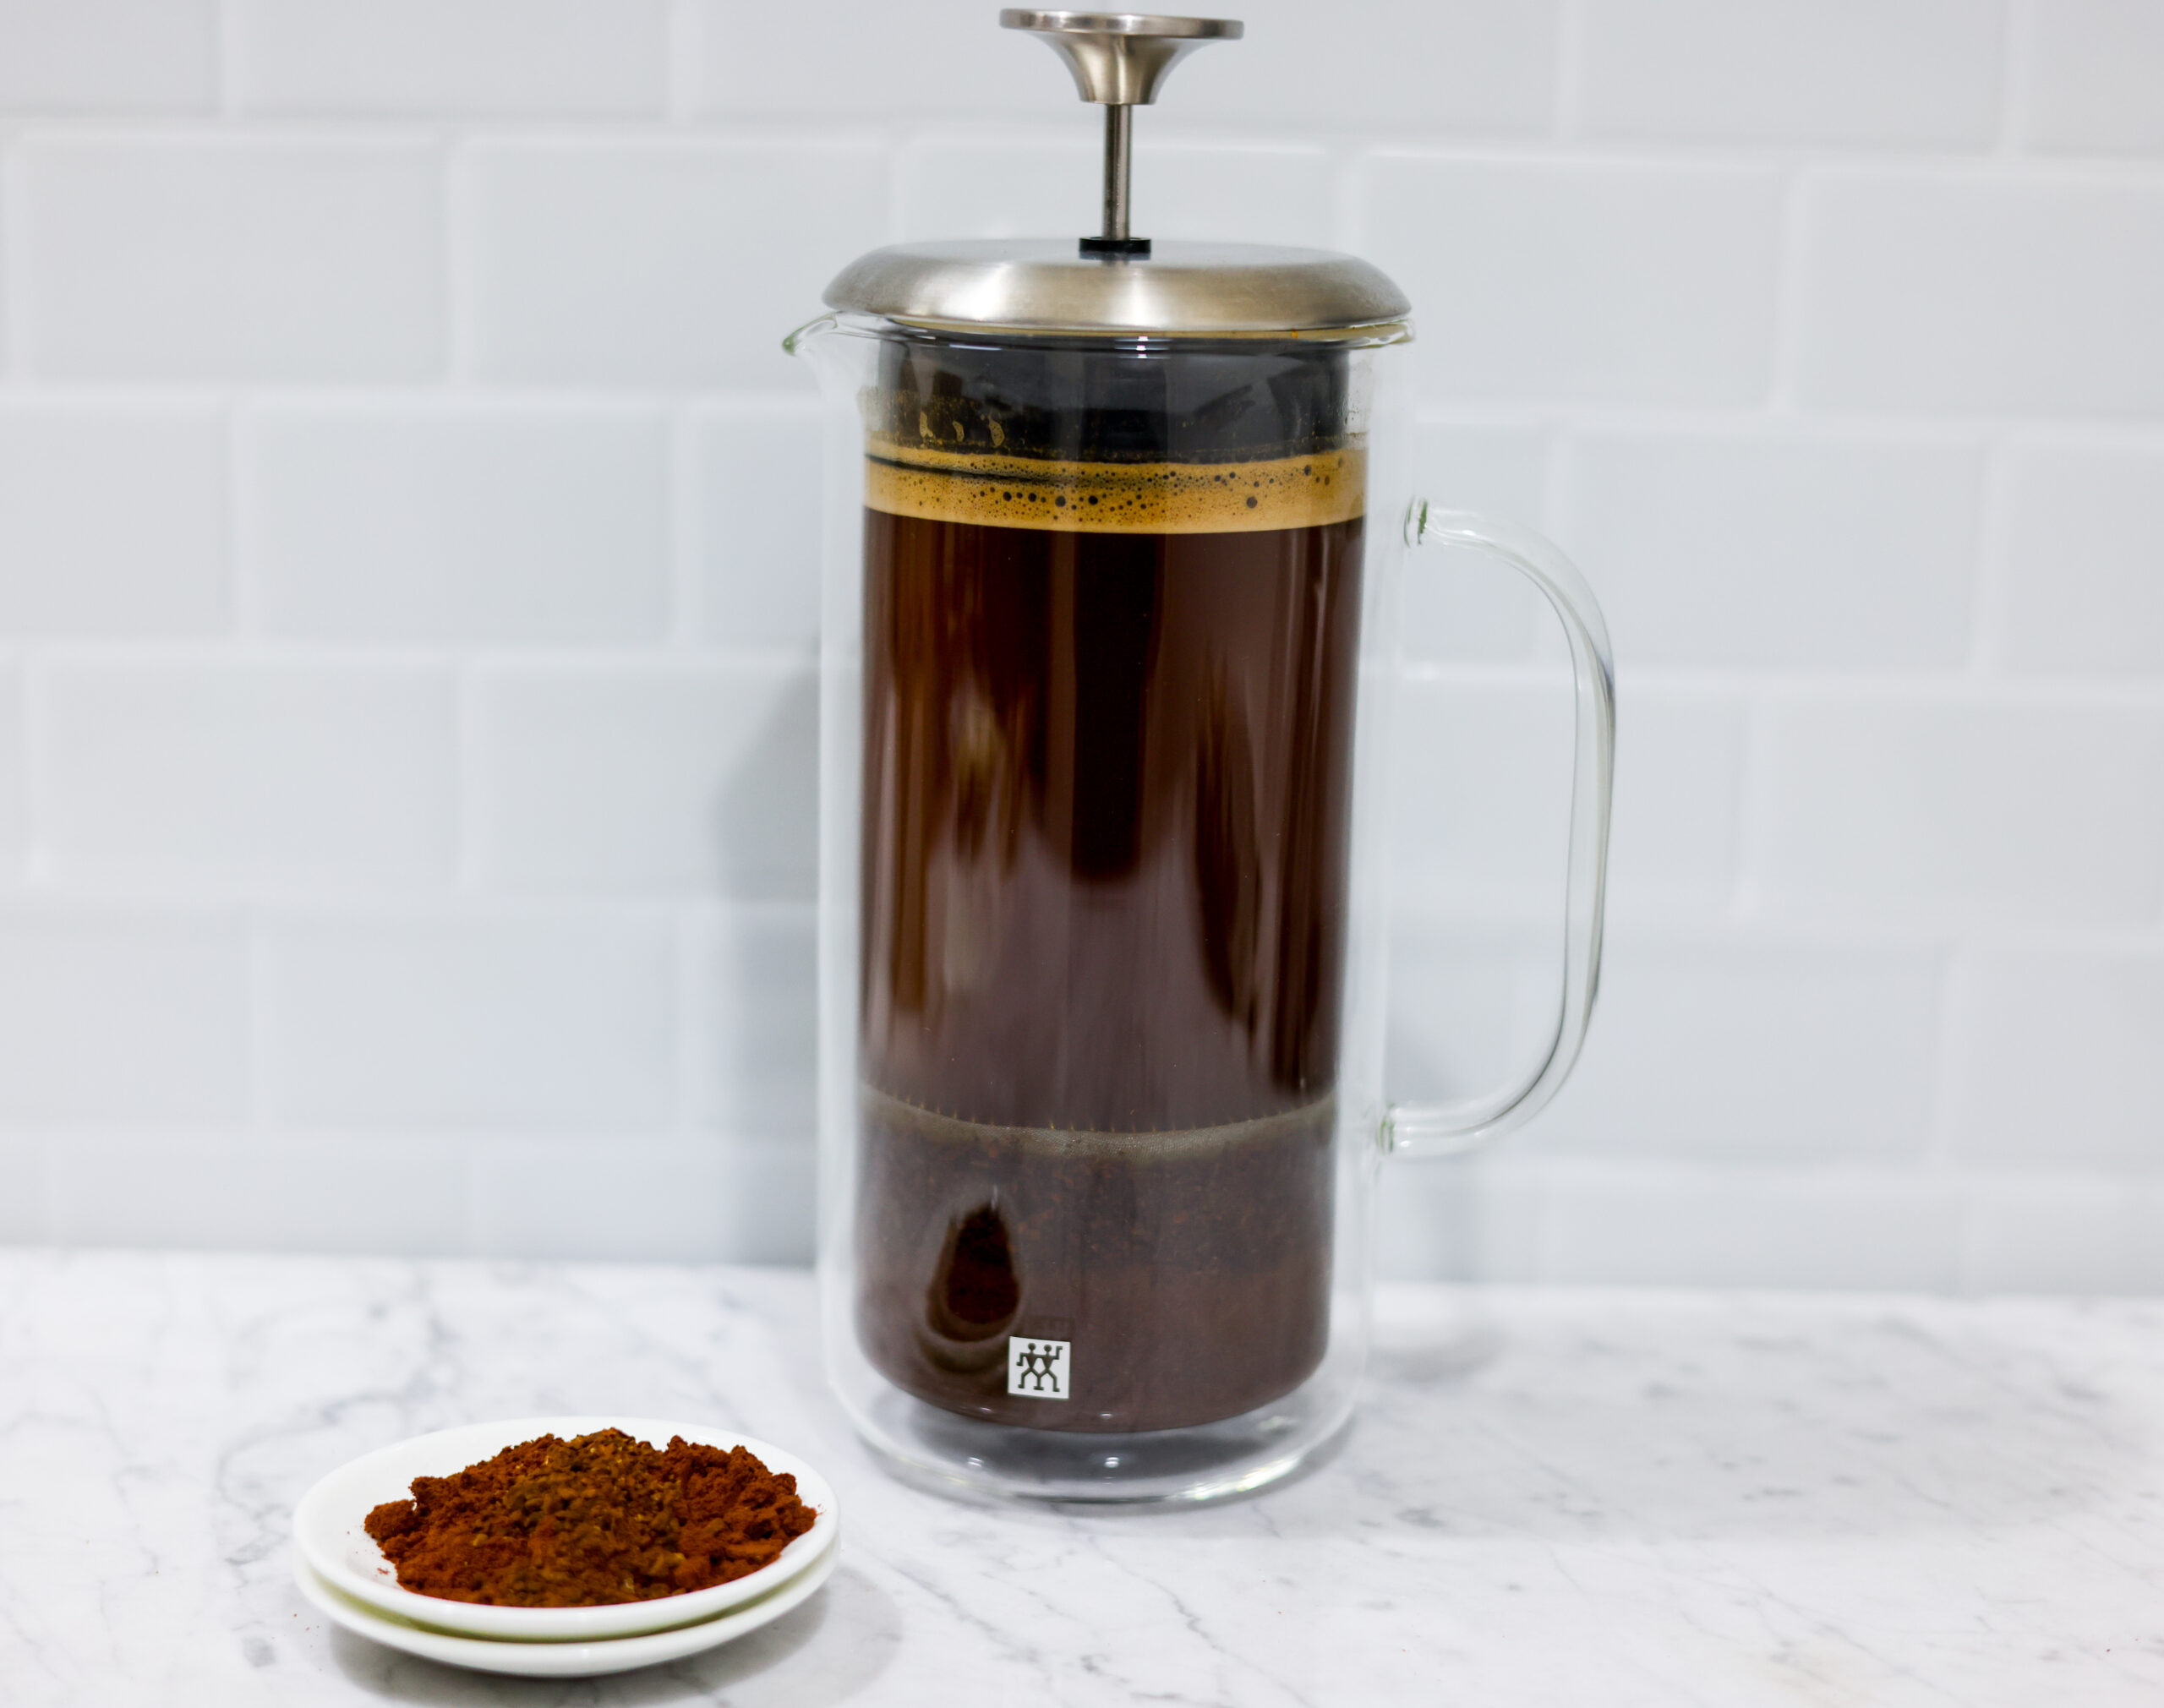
<point>1144,498</point>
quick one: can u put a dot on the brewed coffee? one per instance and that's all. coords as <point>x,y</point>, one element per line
<point>1108,726</point>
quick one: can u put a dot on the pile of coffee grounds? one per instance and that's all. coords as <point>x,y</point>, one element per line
<point>602,1517</point>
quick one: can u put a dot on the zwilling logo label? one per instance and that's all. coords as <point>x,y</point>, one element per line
<point>1038,1369</point>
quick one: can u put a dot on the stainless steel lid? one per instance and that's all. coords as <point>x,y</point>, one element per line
<point>1047,285</point>
<point>1113,281</point>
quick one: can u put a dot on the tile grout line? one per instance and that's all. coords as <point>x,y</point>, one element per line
<point>1565,142</point>
<point>17,883</point>
<point>243,561</point>
<point>688,618</point>
<point>688,938</point>
<point>1748,908</point>
<point>227,59</point>
<point>37,863</point>
<point>467,855</point>
<point>680,38</point>
<point>18,328</point>
<point>1653,419</point>
<point>1991,568</point>
<point>259,994</point>
<point>1568,124</point>
<point>2016,22</point>
<point>1939,1147</point>
<point>454,280</point>
<point>1785,360</point>
<point>1915,685</point>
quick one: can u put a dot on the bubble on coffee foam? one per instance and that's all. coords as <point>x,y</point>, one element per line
<point>995,491</point>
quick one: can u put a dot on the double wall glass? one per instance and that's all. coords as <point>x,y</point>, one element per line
<point>1107,684</point>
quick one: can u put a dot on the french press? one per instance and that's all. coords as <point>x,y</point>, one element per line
<point>1112,540</point>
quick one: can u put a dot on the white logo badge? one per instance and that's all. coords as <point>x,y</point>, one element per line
<point>1038,1369</point>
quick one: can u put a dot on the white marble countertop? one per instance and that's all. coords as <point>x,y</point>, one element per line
<point>1550,1497</point>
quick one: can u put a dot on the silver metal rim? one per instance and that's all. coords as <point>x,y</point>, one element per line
<point>1185,290</point>
<point>1122,23</point>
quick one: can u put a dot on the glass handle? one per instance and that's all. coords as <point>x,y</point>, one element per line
<point>1446,1129</point>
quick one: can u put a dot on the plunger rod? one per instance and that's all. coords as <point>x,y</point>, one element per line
<point>1119,162</point>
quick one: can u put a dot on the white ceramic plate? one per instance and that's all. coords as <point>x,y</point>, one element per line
<point>563,1659</point>
<point>328,1534</point>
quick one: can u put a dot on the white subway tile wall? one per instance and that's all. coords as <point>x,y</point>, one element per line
<point>407,533</point>
<point>124,58</point>
<point>1578,281</point>
<point>514,1017</point>
<point>657,264</point>
<point>456,522</point>
<point>124,1013</point>
<point>1754,550</point>
<point>748,484</point>
<point>2079,550</point>
<point>1923,808</point>
<point>222,257</point>
<point>677,779</point>
<point>1981,288</point>
<point>1885,74</point>
<point>245,776</point>
<point>114,520</point>
<point>456,59</point>
<point>2092,70</point>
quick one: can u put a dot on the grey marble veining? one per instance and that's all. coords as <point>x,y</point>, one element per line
<point>1549,1498</point>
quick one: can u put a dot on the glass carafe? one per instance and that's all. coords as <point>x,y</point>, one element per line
<point>1112,542</point>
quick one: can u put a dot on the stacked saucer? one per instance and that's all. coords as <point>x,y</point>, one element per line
<point>341,1570</point>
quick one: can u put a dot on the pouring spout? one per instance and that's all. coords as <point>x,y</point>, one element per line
<point>796,342</point>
